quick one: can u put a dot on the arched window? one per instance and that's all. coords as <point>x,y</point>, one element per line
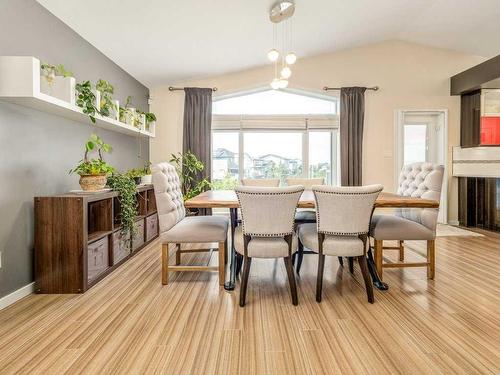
<point>274,134</point>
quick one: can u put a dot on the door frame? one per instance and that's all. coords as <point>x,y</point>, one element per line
<point>443,142</point>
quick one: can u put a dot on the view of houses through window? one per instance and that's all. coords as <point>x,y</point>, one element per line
<point>272,149</point>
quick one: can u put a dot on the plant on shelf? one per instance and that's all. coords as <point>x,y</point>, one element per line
<point>107,105</point>
<point>93,171</point>
<point>150,120</point>
<point>50,72</point>
<point>131,115</point>
<point>86,99</point>
<point>188,167</point>
<point>126,188</point>
<point>136,174</point>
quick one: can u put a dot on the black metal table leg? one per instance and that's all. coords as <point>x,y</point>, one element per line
<point>229,285</point>
<point>379,284</point>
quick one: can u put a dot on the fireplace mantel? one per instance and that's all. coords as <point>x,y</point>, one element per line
<point>476,161</point>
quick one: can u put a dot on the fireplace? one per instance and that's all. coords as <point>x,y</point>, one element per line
<point>479,202</point>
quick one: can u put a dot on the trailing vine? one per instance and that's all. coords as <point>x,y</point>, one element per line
<point>126,188</point>
<point>86,99</point>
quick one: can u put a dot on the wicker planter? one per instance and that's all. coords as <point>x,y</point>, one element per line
<point>89,182</point>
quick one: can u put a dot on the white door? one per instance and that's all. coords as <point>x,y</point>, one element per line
<point>421,137</point>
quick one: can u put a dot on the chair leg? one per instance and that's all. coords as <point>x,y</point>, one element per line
<point>378,257</point>
<point>300,256</point>
<point>319,282</point>
<point>291,280</point>
<point>226,252</point>
<point>178,254</point>
<point>222,262</point>
<point>341,261</point>
<point>351,264</point>
<point>164,264</point>
<point>366,277</point>
<point>244,282</point>
<point>239,262</point>
<point>401,251</point>
<point>431,259</point>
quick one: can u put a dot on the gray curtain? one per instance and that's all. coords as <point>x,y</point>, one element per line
<point>352,113</point>
<point>197,128</point>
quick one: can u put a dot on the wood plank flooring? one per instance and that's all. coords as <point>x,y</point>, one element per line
<point>130,324</point>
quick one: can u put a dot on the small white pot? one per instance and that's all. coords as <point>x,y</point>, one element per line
<point>61,88</point>
<point>147,179</point>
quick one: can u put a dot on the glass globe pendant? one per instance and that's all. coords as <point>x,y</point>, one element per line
<point>275,84</point>
<point>273,55</point>
<point>290,58</point>
<point>286,72</point>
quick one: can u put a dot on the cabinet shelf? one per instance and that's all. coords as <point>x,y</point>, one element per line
<point>20,77</point>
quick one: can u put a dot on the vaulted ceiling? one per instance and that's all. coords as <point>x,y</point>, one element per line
<point>161,41</point>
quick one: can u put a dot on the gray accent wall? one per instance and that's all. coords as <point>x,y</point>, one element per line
<point>37,149</point>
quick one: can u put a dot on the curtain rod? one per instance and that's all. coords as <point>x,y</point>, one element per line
<point>182,88</point>
<point>326,88</point>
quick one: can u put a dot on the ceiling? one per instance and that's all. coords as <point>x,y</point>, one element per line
<point>162,41</point>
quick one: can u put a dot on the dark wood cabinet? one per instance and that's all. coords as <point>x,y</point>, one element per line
<point>470,119</point>
<point>78,239</point>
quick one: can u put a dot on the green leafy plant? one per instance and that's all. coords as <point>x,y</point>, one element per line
<point>188,167</point>
<point>50,71</point>
<point>94,166</point>
<point>106,104</point>
<point>150,117</point>
<point>86,99</point>
<point>126,188</point>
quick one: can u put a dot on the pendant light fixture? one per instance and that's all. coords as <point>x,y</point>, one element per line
<point>280,15</point>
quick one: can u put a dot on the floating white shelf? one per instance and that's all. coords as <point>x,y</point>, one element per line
<point>20,84</point>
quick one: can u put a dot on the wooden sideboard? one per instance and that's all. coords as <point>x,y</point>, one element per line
<point>78,240</point>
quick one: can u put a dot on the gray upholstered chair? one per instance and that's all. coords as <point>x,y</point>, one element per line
<point>267,229</point>
<point>341,230</point>
<point>421,180</point>
<point>304,215</point>
<point>262,182</point>
<point>176,228</point>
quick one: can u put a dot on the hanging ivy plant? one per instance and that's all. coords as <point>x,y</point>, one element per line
<point>126,188</point>
<point>86,99</point>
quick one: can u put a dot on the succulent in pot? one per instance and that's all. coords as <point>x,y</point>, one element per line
<point>147,177</point>
<point>93,171</point>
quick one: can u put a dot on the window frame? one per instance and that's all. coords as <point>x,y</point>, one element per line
<point>274,123</point>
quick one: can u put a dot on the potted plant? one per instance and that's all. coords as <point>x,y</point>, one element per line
<point>135,174</point>
<point>150,121</point>
<point>146,177</point>
<point>93,171</point>
<point>88,99</point>
<point>107,106</point>
<point>58,82</point>
<point>188,167</point>
<point>128,114</point>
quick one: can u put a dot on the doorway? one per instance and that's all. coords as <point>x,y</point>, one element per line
<point>422,136</point>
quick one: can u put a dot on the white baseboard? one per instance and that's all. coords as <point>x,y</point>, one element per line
<point>16,295</point>
<point>453,222</point>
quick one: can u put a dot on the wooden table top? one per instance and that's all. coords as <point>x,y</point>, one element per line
<point>228,199</point>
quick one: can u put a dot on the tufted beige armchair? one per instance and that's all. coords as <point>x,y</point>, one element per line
<point>420,180</point>
<point>177,229</point>
<point>267,229</point>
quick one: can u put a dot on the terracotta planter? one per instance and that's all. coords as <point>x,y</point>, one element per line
<point>90,182</point>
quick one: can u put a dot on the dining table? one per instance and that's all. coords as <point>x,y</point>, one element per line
<point>228,199</point>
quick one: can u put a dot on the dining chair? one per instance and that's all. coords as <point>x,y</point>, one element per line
<point>418,180</point>
<point>341,230</point>
<point>267,229</point>
<point>304,215</point>
<point>263,182</point>
<point>176,228</point>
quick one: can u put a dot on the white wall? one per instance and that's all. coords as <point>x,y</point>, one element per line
<point>410,76</point>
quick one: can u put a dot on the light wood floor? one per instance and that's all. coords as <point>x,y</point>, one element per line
<point>130,324</point>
